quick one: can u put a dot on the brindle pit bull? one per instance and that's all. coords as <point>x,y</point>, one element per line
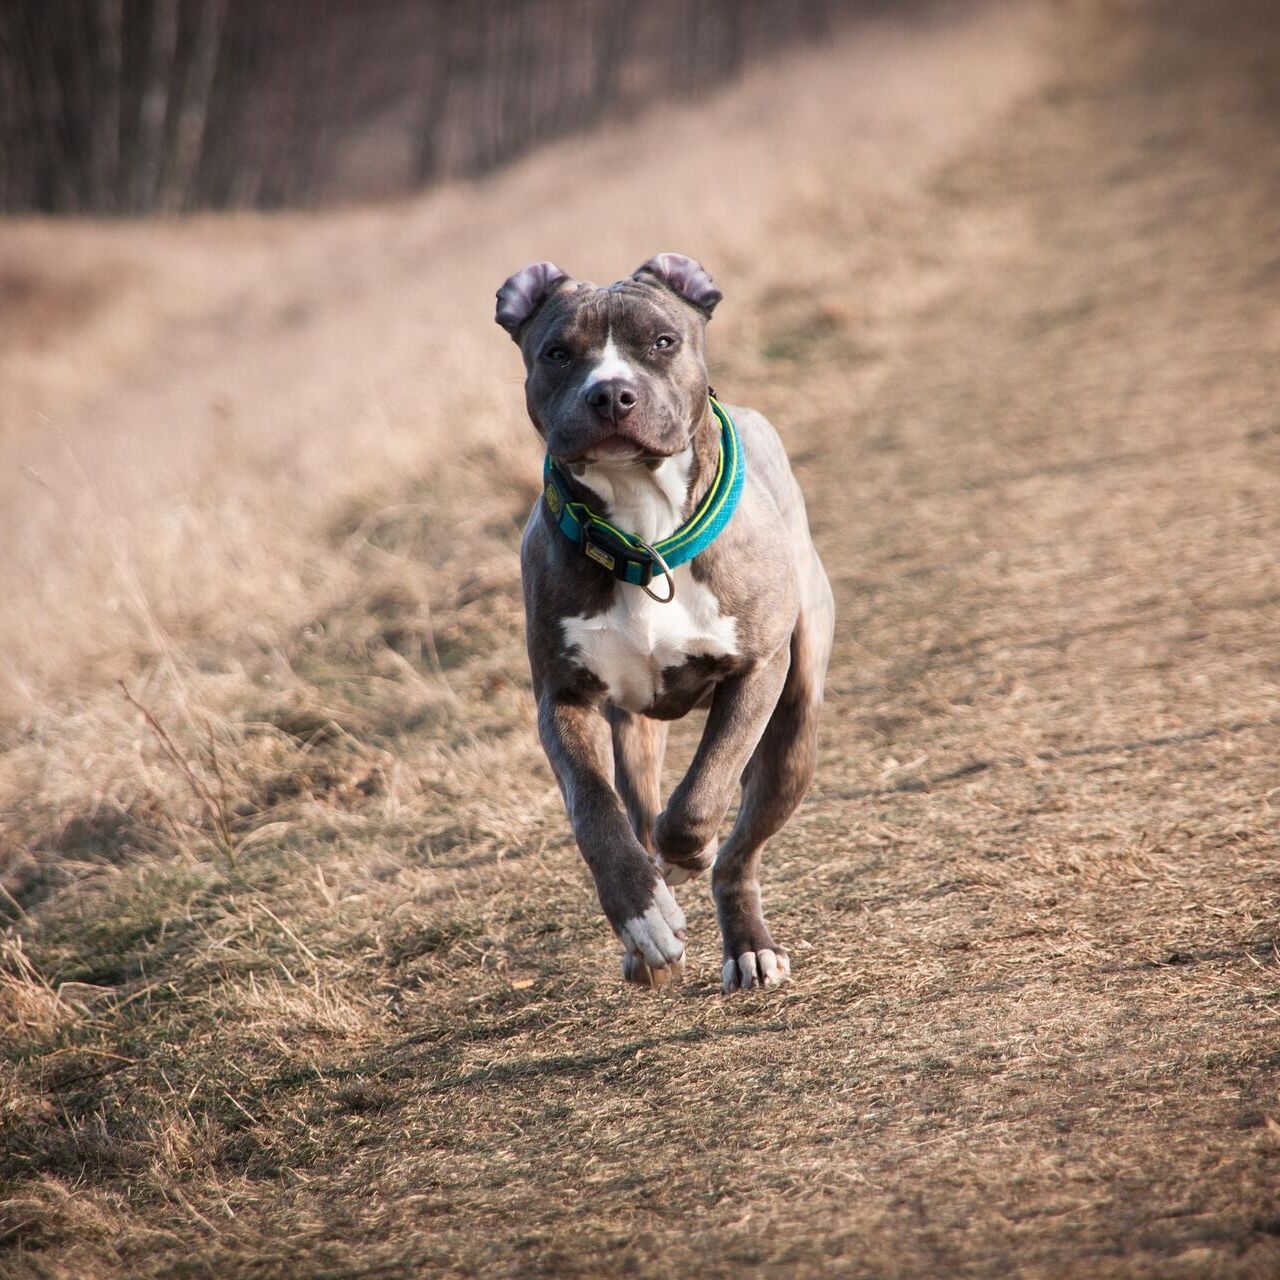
<point>617,387</point>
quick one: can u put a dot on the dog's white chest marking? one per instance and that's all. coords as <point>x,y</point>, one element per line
<point>631,643</point>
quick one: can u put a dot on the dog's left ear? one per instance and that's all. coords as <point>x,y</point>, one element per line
<point>524,293</point>
<point>683,276</point>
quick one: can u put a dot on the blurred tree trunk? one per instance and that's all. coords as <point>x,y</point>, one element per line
<point>440,75</point>
<point>188,81</point>
<point>612,33</point>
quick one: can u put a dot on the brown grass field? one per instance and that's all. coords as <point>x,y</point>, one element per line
<point>302,976</point>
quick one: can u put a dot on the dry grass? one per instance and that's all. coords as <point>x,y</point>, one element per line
<point>321,990</point>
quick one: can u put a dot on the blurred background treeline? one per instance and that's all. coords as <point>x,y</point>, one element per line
<point>138,106</point>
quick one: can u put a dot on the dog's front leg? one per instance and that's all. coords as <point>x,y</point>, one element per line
<point>636,901</point>
<point>685,833</point>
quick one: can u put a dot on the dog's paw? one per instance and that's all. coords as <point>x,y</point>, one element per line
<point>686,839</point>
<point>751,957</point>
<point>673,874</point>
<point>634,969</point>
<point>678,872</point>
<point>768,967</point>
<point>653,942</point>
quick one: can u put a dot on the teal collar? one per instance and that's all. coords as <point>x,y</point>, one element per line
<point>628,557</point>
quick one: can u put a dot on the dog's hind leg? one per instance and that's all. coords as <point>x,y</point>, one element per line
<point>773,784</point>
<point>639,745</point>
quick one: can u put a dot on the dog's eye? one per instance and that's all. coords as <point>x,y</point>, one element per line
<point>663,341</point>
<point>557,355</point>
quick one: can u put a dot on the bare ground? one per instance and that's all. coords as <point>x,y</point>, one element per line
<point>350,1011</point>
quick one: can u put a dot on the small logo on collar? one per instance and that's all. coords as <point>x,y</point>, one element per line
<point>599,555</point>
<point>553,499</point>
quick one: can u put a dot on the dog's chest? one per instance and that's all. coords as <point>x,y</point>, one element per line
<point>631,644</point>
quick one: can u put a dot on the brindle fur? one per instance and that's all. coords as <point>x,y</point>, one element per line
<point>764,572</point>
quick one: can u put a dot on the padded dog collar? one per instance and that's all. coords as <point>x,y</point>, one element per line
<point>628,557</point>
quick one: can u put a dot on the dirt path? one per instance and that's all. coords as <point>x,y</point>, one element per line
<point>1032,901</point>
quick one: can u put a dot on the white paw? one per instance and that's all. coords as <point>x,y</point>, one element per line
<point>674,874</point>
<point>671,873</point>
<point>656,938</point>
<point>756,969</point>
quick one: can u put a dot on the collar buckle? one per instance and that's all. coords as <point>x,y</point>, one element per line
<point>626,563</point>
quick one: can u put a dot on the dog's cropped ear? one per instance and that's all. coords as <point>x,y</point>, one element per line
<point>682,276</point>
<point>524,293</point>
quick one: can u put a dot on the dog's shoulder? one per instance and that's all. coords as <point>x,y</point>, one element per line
<point>769,466</point>
<point>766,455</point>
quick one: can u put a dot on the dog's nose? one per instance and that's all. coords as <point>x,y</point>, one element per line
<point>613,398</point>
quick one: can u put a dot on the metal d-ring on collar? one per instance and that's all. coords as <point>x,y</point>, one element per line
<point>666,573</point>
<point>628,557</point>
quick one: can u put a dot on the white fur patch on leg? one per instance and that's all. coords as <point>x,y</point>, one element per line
<point>653,935</point>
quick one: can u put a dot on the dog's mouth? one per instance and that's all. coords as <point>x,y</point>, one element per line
<point>615,449</point>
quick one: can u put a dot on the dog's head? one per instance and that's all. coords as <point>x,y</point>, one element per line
<point>618,371</point>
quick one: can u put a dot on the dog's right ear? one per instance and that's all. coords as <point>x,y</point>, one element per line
<point>524,293</point>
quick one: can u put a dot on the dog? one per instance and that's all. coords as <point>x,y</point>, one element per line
<point>667,566</point>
